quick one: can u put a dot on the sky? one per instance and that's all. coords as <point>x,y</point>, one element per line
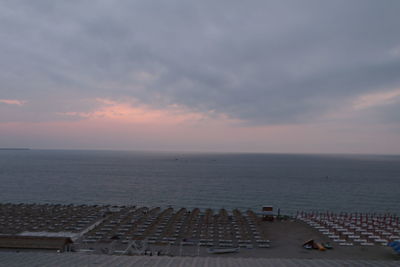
<point>281,76</point>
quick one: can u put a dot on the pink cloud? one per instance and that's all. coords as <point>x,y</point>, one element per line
<point>355,109</point>
<point>13,102</point>
<point>376,99</point>
<point>133,112</point>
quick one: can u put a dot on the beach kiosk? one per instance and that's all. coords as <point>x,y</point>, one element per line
<point>267,213</point>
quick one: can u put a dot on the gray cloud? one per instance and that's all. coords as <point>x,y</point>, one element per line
<point>261,61</point>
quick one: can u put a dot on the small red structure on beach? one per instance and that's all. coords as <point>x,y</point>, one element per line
<point>267,213</point>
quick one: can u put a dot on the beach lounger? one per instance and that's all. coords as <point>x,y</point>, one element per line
<point>367,244</point>
<point>346,244</point>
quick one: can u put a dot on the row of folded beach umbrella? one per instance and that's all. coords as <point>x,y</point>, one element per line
<point>17,218</point>
<point>348,229</point>
<point>187,227</point>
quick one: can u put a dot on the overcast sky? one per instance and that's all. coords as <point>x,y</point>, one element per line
<point>246,76</point>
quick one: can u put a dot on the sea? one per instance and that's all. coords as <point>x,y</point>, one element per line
<point>289,182</point>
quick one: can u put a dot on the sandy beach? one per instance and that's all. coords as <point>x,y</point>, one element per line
<point>129,230</point>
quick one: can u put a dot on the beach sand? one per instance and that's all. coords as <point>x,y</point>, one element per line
<point>286,236</point>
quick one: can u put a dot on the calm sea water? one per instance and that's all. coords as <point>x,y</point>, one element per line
<point>290,182</point>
